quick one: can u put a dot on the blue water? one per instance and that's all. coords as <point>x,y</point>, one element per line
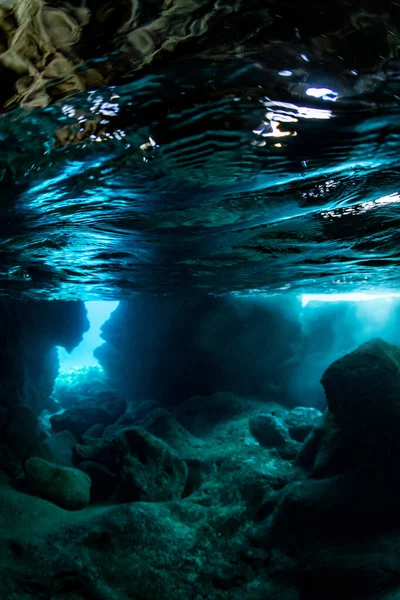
<point>270,165</point>
<point>82,356</point>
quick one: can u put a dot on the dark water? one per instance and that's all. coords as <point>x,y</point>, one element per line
<point>223,168</point>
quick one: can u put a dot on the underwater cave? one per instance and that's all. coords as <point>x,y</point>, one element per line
<point>199,300</point>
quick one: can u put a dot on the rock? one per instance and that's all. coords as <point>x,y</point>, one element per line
<point>135,412</point>
<point>64,486</point>
<point>79,419</point>
<point>300,421</point>
<point>201,414</point>
<point>24,432</point>
<point>363,393</point>
<point>57,448</point>
<point>163,425</point>
<point>104,410</point>
<point>150,470</point>
<point>198,470</point>
<point>95,431</point>
<point>9,461</point>
<point>147,468</point>
<point>361,500</point>
<point>270,431</point>
<point>104,481</point>
<point>100,450</point>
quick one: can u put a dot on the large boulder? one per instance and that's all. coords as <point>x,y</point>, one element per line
<point>351,456</point>
<point>363,393</point>
<point>65,486</point>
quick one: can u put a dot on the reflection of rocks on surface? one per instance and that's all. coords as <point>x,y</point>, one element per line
<point>49,52</point>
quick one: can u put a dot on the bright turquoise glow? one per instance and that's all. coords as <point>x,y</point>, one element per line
<point>350,297</point>
<point>82,356</point>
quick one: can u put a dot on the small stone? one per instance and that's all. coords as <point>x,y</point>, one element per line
<point>64,486</point>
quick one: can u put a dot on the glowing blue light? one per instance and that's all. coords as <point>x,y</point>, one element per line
<point>82,356</point>
<point>285,73</point>
<point>349,297</point>
<point>323,93</point>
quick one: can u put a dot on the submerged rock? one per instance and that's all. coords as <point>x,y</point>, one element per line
<point>350,457</point>
<point>200,414</point>
<point>147,468</point>
<point>10,461</point>
<point>104,410</point>
<point>162,424</point>
<point>301,420</point>
<point>133,415</point>
<point>104,481</point>
<point>363,392</point>
<point>95,431</point>
<point>24,432</point>
<point>57,448</point>
<point>65,486</point>
<point>150,469</point>
<point>271,432</point>
<point>326,452</point>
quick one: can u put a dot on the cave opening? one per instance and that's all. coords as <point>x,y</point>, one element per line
<point>81,357</point>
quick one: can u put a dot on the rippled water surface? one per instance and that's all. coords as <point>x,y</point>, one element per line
<point>265,169</point>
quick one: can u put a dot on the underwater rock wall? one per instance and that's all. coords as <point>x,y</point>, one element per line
<point>29,334</point>
<point>171,348</point>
